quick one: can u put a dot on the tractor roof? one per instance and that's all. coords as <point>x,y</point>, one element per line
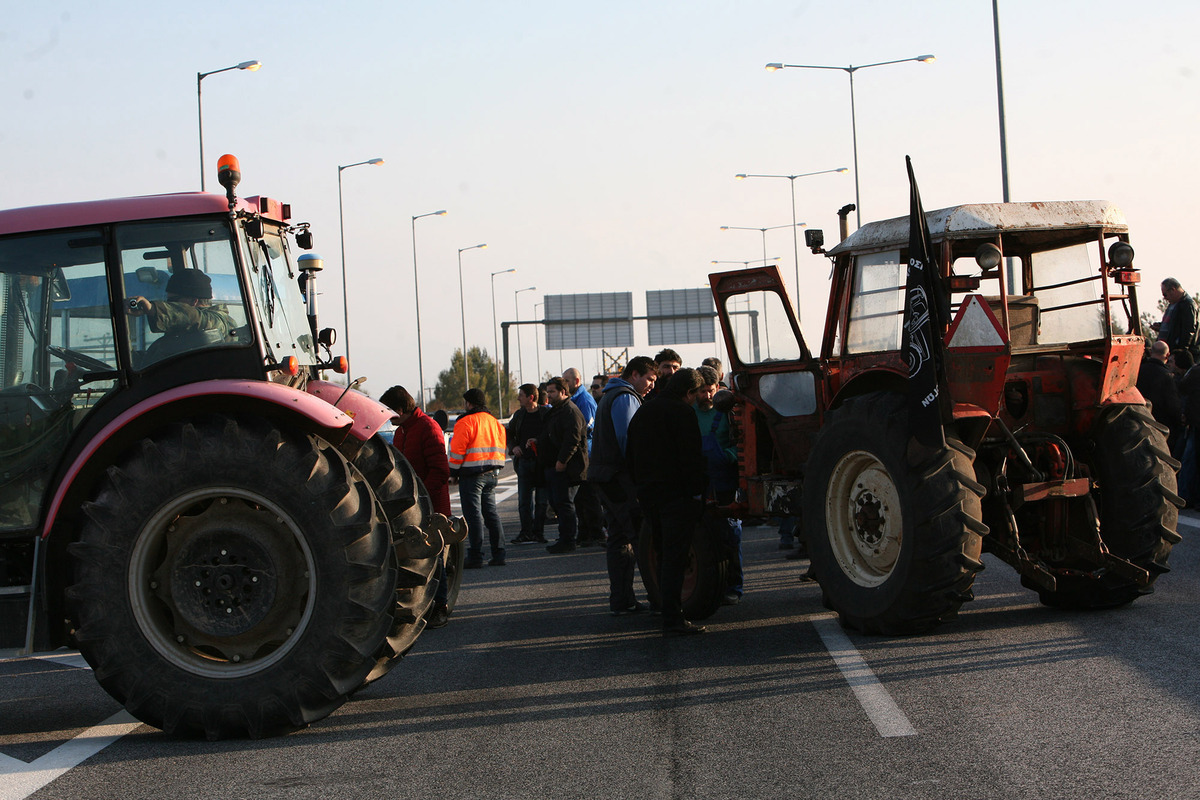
<point>99,212</point>
<point>962,222</point>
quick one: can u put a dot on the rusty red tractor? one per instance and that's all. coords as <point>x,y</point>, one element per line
<point>224,535</point>
<point>1051,460</point>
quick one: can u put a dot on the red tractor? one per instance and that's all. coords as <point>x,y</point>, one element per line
<point>224,536</point>
<point>1048,455</point>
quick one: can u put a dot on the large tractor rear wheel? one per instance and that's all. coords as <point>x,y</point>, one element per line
<point>894,542</point>
<point>232,579</point>
<point>1138,506</point>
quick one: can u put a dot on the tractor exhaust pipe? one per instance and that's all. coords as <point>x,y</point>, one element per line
<point>843,221</point>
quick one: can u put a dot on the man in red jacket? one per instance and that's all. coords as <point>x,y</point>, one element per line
<point>419,438</point>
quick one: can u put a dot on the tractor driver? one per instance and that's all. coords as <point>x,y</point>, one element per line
<point>187,317</point>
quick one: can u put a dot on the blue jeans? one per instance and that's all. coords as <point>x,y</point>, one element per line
<point>563,501</point>
<point>477,493</point>
<point>531,500</point>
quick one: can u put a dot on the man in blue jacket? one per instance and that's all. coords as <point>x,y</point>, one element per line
<point>608,471</point>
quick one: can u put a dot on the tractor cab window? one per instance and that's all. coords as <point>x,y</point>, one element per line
<point>1068,291</point>
<point>57,358</point>
<point>181,288</point>
<point>276,292</point>
<point>761,328</point>
<point>876,303</point>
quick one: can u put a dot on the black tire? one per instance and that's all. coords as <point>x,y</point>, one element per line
<point>232,579</point>
<point>1138,508</point>
<point>456,556</point>
<point>895,545</point>
<point>705,580</point>
<point>407,507</point>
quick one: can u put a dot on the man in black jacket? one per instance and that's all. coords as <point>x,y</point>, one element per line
<point>667,464</point>
<point>562,456</point>
<point>1158,386</point>
<point>1180,326</point>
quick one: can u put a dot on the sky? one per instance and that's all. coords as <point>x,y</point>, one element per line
<point>593,146</point>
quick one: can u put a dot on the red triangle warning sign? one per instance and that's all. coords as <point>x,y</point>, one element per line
<point>975,327</point>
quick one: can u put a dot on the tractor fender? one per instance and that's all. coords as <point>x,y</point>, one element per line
<point>367,413</point>
<point>311,411</point>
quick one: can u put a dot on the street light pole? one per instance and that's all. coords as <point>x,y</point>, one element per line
<point>795,225</point>
<point>850,70</point>
<point>342,233</point>
<point>249,66</point>
<point>417,301</point>
<point>517,309</point>
<point>462,312</point>
<point>496,340</point>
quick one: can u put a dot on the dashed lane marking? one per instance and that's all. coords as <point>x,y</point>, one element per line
<point>882,710</point>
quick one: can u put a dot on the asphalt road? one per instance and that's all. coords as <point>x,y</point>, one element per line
<point>534,691</point>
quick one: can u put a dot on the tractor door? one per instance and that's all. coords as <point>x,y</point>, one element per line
<point>777,383</point>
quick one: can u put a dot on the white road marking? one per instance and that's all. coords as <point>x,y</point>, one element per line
<point>71,659</point>
<point>18,779</point>
<point>1188,520</point>
<point>889,720</point>
<point>501,496</point>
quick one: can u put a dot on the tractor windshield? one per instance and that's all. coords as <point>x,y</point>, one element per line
<point>275,286</point>
<point>181,287</point>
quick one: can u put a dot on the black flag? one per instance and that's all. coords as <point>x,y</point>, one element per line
<point>923,313</point>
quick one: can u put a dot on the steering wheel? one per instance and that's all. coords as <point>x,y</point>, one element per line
<point>79,359</point>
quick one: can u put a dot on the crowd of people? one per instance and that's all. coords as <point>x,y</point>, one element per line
<point>1170,381</point>
<point>642,451</point>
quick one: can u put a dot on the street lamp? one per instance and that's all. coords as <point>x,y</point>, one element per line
<point>462,312</point>
<point>342,233</point>
<point>496,340</point>
<point>249,66</point>
<point>850,70</point>
<point>741,176</point>
<point>417,301</point>
<point>793,226</point>
<point>517,309</point>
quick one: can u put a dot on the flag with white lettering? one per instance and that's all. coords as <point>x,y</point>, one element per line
<point>923,313</point>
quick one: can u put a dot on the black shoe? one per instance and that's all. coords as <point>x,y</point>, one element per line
<point>561,547</point>
<point>684,628</point>
<point>786,545</point>
<point>731,599</point>
<point>524,538</point>
<point>797,554</point>
<point>636,608</point>
<point>473,564</point>
<point>496,562</point>
<point>538,539</point>
<point>438,617</point>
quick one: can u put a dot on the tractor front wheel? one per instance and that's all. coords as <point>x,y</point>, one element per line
<point>894,540</point>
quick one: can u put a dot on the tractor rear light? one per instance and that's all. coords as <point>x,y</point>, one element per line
<point>340,365</point>
<point>964,283</point>
<point>1127,277</point>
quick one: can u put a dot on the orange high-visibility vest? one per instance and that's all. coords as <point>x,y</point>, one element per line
<point>478,442</point>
